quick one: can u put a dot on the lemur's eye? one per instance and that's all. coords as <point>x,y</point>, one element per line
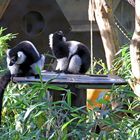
<point>13,59</point>
<point>60,36</point>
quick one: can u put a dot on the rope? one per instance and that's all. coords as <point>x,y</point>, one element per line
<point>91,19</point>
<point>91,44</point>
<point>121,28</point>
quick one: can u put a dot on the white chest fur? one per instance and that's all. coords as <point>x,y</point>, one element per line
<point>14,69</point>
<point>73,47</point>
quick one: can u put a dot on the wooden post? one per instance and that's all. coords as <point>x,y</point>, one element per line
<point>78,98</point>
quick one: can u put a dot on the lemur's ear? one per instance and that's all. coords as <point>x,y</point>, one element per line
<point>7,52</point>
<point>64,39</point>
<point>21,57</point>
<point>20,54</point>
<point>60,32</point>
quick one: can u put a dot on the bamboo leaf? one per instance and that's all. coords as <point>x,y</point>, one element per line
<point>30,109</point>
<point>67,123</point>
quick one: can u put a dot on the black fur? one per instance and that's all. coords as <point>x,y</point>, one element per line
<point>84,54</point>
<point>4,80</point>
<point>27,49</point>
<point>32,56</point>
<point>62,48</point>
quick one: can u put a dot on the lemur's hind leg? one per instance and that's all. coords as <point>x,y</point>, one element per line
<point>74,64</point>
<point>62,64</point>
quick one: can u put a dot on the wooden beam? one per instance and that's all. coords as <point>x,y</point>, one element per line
<point>79,80</point>
<point>77,83</point>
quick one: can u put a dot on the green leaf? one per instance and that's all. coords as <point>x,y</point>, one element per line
<point>67,123</point>
<point>54,87</point>
<point>30,109</point>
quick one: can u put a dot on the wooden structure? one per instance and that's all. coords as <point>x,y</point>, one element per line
<point>76,83</point>
<point>33,20</point>
<point>79,80</point>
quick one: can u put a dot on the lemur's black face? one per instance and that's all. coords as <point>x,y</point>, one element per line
<point>58,35</point>
<point>13,60</point>
<point>11,57</point>
<point>56,38</point>
<point>15,57</point>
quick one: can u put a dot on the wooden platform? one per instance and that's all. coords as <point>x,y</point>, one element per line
<point>80,81</point>
<point>75,82</point>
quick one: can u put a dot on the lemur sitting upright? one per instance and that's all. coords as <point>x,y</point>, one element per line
<point>72,56</point>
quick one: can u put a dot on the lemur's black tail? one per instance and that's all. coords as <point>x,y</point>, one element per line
<point>4,80</point>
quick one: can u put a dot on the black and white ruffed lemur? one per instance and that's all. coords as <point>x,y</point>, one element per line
<point>22,60</point>
<point>72,56</point>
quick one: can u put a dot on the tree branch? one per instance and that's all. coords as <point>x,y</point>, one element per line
<point>135,51</point>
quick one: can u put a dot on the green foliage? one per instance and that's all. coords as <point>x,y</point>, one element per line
<point>4,39</point>
<point>28,112</point>
<point>122,64</point>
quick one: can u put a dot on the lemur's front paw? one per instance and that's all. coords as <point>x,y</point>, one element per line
<point>63,71</point>
<point>67,72</point>
<point>58,71</point>
<point>12,77</point>
<point>36,76</point>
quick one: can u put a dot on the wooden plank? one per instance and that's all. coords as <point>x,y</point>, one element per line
<point>77,83</point>
<point>81,81</point>
<point>78,96</point>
